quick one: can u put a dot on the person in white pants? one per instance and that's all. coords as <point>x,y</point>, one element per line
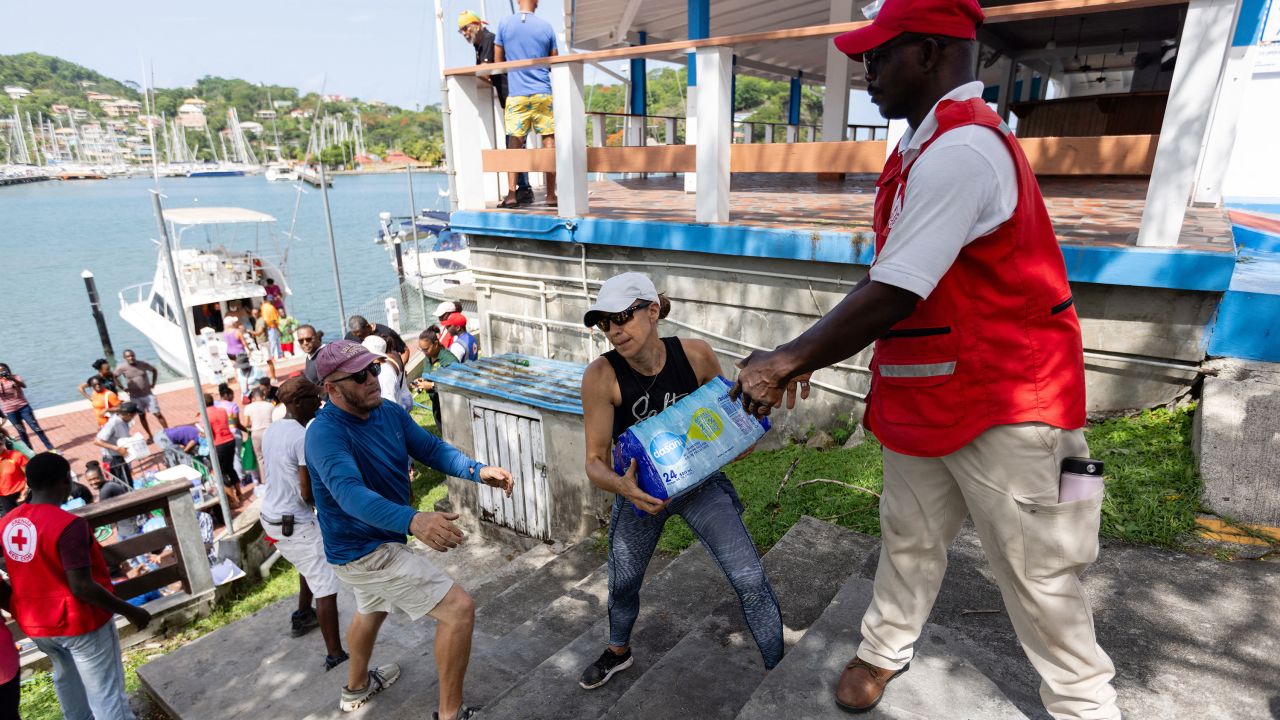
<point>977,381</point>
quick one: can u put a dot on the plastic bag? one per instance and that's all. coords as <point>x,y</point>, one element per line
<point>679,448</point>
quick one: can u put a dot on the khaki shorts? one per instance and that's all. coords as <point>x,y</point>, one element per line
<point>395,577</point>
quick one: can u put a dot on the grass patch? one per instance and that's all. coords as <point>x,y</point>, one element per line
<point>428,486</point>
<point>1153,487</point>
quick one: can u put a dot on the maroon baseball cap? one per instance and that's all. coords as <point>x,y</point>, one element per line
<point>342,356</point>
<point>950,18</point>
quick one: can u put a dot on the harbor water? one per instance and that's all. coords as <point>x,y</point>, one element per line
<point>52,231</point>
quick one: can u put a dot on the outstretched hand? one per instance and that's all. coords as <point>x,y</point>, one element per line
<point>497,477</point>
<point>436,530</point>
<point>763,384</point>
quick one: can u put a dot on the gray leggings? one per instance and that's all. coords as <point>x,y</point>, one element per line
<point>713,512</point>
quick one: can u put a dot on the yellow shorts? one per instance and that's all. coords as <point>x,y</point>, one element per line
<point>530,113</point>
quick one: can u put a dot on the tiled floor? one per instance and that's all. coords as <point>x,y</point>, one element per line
<point>1085,211</point>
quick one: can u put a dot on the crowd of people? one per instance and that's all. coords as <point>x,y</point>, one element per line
<point>977,397</point>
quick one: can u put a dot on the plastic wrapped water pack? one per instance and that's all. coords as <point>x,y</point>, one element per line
<point>680,447</point>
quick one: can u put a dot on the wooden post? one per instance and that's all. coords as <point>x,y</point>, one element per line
<point>473,127</point>
<point>715,132</point>
<point>190,546</point>
<point>1205,35</point>
<point>571,139</point>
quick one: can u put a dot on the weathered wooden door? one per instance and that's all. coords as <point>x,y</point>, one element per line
<point>510,436</point>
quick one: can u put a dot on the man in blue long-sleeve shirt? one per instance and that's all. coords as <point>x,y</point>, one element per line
<point>357,451</point>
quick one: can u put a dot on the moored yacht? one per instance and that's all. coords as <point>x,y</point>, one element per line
<point>221,266</point>
<point>281,172</point>
<point>427,253</point>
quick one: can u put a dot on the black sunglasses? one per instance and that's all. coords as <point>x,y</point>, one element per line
<point>361,376</point>
<point>621,318</point>
<point>871,59</point>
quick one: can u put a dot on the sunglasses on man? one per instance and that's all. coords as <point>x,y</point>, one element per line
<point>359,377</point>
<point>872,59</point>
<point>621,318</point>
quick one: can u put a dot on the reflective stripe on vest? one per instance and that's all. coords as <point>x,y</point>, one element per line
<point>926,370</point>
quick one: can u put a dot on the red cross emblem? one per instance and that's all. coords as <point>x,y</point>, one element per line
<point>20,540</point>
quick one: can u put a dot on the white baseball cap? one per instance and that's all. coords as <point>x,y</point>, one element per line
<point>446,307</point>
<point>618,293</point>
<point>375,345</point>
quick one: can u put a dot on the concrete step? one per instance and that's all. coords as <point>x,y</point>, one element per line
<point>943,682</point>
<point>276,676</point>
<point>537,587</point>
<point>675,601</point>
<point>499,663</point>
<point>720,658</point>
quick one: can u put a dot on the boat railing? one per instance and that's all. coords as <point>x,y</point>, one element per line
<point>134,294</point>
<point>710,154</point>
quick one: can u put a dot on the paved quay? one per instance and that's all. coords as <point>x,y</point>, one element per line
<point>72,426</point>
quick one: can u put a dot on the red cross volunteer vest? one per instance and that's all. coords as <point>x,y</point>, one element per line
<point>42,601</point>
<point>997,341</point>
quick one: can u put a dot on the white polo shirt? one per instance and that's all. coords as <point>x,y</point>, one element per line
<point>962,187</point>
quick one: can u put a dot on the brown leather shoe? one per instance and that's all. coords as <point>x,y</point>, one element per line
<point>862,685</point>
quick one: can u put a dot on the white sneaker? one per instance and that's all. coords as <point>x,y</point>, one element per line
<point>380,678</point>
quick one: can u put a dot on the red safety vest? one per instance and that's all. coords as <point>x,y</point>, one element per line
<point>997,341</point>
<point>42,601</point>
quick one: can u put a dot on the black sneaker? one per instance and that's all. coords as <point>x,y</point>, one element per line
<point>333,661</point>
<point>464,713</point>
<point>303,622</point>
<point>524,196</point>
<point>604,668</point>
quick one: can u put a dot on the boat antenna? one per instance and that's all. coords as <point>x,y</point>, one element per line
<point>151,128</point>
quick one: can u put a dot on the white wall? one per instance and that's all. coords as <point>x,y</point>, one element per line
<point>1255,160</point>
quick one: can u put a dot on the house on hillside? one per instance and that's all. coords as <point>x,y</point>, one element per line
<point>265,114</point>
<point>16,92</point>
<point>191,116</point>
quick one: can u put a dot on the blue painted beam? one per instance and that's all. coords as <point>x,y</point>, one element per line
<point>639,83</point>
<point>699,29</point>
<point>793,102</point>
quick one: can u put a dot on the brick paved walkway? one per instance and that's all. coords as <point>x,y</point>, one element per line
<point>72,426</point>
<point>1085,211</point>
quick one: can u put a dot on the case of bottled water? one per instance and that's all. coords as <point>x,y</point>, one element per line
<point>680,447</point>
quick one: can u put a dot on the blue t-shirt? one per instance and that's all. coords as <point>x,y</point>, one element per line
<point>360,480</point>
<point>525,36</point>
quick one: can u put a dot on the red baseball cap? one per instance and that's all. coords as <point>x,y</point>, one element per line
<point>950,18</point>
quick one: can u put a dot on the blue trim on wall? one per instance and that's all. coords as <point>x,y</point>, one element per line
<point>1253,16</point>
<point>1248,238</point>
<point>1139,267</point>
<point>1246,327</point>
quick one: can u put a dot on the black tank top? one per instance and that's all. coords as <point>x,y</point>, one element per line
<point>644,396</point>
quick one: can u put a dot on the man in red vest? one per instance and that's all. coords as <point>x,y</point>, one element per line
<point>63,598</point>
<point>977,388</point>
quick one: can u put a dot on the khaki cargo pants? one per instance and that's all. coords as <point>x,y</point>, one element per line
<point>1007,479</point>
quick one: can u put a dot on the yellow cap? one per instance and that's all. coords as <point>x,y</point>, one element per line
<point>466,17</point>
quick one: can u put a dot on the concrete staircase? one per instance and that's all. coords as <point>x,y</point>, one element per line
<point>542,618</point>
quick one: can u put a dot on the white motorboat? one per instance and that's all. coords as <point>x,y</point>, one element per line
<point>218,253</point>
<point>427,253</point>
<point>281,172</point>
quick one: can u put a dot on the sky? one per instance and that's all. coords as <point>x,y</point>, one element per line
<point>374,50</point>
